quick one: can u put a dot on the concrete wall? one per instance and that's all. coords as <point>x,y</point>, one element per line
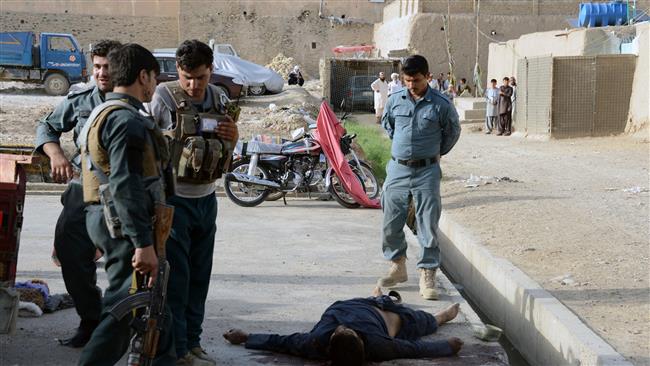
<point>567,8</point>
<point>639,116</point>
<point>348,9</point>
<point>575,42</point>
<point>582,42</point>
<point>151,32</point>
<point>394,34</point>
<point>147,8</point>
<point>259,37</point>
<point>500,21</point>
<point>423,33</point>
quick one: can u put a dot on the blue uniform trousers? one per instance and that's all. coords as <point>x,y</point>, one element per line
<point>111,340</point>
<point>423,186</point>
<point>76,252</point>
<point>189,252</point>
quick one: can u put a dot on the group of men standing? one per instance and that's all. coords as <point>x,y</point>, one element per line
<point>124,149</point>
<point>130,133</point>
<point>500,106</point>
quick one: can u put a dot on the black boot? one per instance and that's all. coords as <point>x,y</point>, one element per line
<point>82,335</point>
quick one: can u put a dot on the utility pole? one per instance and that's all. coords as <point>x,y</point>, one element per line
<point>478,87</point>
<point>447,25</point>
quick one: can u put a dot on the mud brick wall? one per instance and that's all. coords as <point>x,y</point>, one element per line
<point>151,32</point>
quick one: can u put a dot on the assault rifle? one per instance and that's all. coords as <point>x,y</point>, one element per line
<point>148,304</point>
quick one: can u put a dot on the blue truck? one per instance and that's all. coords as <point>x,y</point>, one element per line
<point>56,61</point>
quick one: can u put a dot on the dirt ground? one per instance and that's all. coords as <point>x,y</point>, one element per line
<point>574,216</point>
<point>22,106</point>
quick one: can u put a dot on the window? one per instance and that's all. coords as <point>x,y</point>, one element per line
<point>170,65</point>
<point>167,65</point>
<point>225,50</point>
<point>61,44</point>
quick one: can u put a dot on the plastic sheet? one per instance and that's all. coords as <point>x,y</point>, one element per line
<point>250,73</point>
<point>328,134</point>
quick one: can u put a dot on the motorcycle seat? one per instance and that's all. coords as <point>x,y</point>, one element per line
<point>256,147</point>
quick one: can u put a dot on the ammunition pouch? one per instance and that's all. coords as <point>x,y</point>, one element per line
<point>112,220</point>
<point>198,155</point>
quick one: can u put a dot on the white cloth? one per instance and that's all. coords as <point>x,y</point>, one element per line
<point>434,84</point>
<point>394,87</point>
<point>492,99</point>
<point>382,96</point>
<point>446,85</point>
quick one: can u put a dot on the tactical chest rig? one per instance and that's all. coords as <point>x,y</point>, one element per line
<point>198,155</point>
<point>96,168</point>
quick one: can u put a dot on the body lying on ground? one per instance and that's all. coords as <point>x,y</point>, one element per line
<point>351,332</point>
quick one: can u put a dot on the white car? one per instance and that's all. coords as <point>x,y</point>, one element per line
<point>259,79</point>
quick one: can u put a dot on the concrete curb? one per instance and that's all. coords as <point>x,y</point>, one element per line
<point>539,325</point>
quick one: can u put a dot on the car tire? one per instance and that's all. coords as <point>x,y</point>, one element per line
<point>224,90</point>
<point>56,84</point>
<point>257,90</point>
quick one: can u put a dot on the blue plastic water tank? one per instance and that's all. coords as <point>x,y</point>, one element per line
<point>602,14</point>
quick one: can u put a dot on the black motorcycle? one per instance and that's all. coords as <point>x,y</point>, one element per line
<point>260,170</point>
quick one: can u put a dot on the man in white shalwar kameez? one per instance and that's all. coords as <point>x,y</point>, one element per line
<point>492,109</point>
<point>380,88</point>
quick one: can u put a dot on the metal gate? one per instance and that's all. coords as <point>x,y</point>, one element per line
<point>574,96</point>
<point>350,81</point>
<point>534,95</point>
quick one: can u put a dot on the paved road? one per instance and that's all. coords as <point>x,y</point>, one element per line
<point>276,269</point>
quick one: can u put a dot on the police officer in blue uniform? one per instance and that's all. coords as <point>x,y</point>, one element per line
<point>74,249</point>
<point>423,125</point>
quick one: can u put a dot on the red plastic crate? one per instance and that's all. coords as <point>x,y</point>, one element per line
<point>13,181</point>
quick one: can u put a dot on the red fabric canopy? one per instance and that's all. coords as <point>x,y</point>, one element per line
<point>344,49</point>
<point>328,134</point>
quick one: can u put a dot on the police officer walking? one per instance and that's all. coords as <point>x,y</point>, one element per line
<point>123,154</point>
<point>193,114</point>
<point>74,249</point>
<point>423,125</point>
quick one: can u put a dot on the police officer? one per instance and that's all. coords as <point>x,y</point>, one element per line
<point>73,247</point>
<point>423,125</point>
<point>192,111</point>
<point>124,152</point>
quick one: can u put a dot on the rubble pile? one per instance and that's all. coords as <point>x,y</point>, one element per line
<point>288,118</point>
<point>282,64</point>
<point>17,125</point>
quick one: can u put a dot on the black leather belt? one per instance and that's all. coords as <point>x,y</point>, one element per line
<point>417,163</point>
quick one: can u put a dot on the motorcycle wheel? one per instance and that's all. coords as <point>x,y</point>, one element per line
<point>244,194</point>
<point>339,193</point>
<point>370,183</point>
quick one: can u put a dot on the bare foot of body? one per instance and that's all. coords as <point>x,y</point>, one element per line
<point>448,314</point>
<point>377,291</point>
<point>455,343</point>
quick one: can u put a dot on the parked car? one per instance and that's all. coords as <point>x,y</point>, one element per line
<point>230,84</point>
<point>259,79</point>
<point>358,95</point>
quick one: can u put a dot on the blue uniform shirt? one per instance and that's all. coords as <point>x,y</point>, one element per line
<point>420,129</point>
<point>70,114</point>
